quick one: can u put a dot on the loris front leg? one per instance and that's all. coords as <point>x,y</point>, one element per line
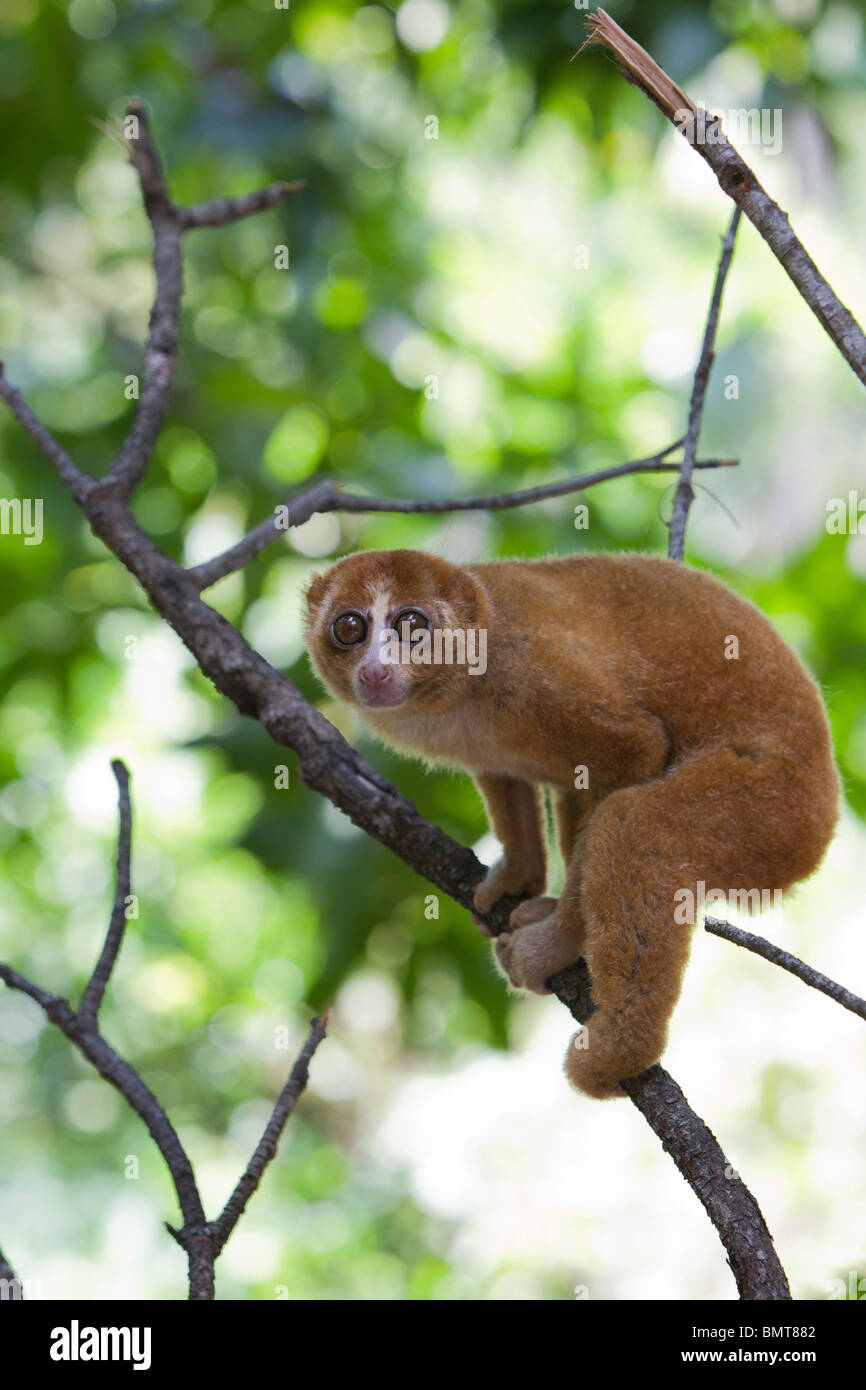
<point>515,818</point>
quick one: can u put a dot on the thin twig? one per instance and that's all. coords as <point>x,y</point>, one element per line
<point>684,494</point>
<point>78,483</point>
<point>144,156</point>
<point>777,956</point>
<point>704,133</point>
<point>266,1148</point>
<point>91,999</point>
<point>219,211</point>
<point>325,496</point>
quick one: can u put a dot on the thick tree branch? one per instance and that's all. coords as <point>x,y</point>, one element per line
<point>728,1202</point>
<point>736,179</point>
<point>804,972</point>
<point>684,494</point>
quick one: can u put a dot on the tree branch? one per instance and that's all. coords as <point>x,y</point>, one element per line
<point>728,1202</point>
<point>325,496</point>
<point>219,211</point>
<point>201,1240</point>
<point>804,972</point>
<point>266,1148</point>
<point>684,494</point>
<point>705,134</point>
<point>112,1067</point>
<point>91,999</point>
<point>78,483</point>
<point>168,222</point>
<point>160,349</point>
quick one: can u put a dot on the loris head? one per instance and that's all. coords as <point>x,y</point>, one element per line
<point>388,629</point>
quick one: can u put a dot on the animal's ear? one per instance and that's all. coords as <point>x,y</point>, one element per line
<point>461,596</point>
<point>313,591</point>
<point>473,600</point>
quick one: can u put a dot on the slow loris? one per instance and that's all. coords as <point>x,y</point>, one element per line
<point>683,741</point>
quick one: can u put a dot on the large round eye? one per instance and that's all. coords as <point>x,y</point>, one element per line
<point>412,619</point>
<point>349,629</point>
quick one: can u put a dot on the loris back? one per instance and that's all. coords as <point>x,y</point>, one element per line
<point>683,739</point>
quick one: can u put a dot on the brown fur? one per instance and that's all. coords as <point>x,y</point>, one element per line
<point>701,767</point>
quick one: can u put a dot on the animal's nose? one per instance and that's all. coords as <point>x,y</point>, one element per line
<point>375,675</point>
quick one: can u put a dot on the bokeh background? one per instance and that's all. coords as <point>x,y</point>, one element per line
<point>547,258</point>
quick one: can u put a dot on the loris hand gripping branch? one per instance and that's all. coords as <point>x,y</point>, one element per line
<point>682,739</point>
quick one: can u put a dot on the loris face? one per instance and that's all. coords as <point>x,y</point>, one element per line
<point>376,620</point>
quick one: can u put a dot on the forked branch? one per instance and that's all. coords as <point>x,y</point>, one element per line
<point>201,1240</point>
<point>684,495</point>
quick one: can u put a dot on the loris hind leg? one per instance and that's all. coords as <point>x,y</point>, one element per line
<point>573,810</point>
<point>737,820</point>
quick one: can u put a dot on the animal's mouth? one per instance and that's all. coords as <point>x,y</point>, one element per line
<point>382,696</point>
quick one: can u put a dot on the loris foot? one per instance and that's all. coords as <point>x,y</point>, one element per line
<point>533,910</point>
<point>537,948</point>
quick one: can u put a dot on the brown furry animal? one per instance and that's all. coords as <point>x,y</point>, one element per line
<point>683,740</point>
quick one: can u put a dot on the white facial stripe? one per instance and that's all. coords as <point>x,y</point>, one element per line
<point>379,621</point>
